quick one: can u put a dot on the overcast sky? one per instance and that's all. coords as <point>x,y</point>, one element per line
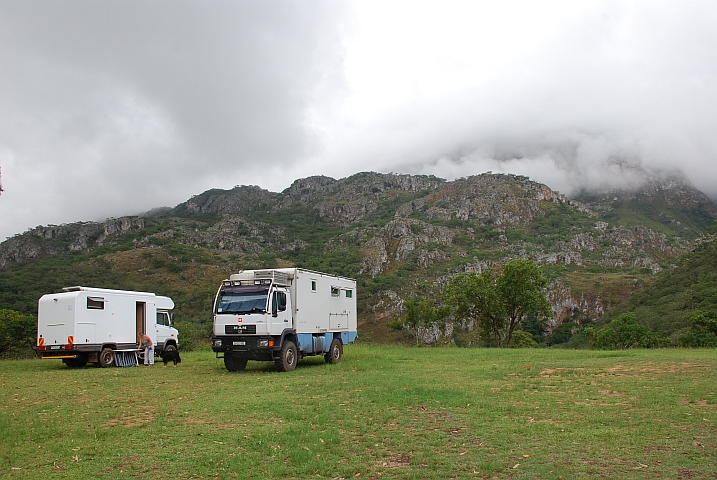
<point>109,108</point>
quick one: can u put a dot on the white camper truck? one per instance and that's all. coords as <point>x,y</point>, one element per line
<point>101,326</point>
<point>282,315</point>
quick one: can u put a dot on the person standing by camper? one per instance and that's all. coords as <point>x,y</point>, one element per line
<point>146,343</point>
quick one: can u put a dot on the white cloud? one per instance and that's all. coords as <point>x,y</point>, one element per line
<point>113,108</point>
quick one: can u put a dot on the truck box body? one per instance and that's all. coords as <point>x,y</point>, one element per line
<point>81,321</point>
<point>256,310</point>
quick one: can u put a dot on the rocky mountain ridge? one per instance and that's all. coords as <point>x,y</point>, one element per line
<point>405,235</point>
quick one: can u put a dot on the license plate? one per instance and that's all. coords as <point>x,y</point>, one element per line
<point>239,343</point>
<point>55,347</point>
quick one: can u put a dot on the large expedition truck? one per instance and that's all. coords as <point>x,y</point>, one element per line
<point>102,326</point>
<point>282,315</point>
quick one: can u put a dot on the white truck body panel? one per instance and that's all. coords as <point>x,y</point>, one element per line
<point>84,316</point>
<point>319,303</point>
<point>319,310</point>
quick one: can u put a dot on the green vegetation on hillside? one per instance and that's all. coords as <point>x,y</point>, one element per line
<point>665,305</point>
<point>400,236</point>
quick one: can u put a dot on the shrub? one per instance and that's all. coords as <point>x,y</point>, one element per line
<point>522,339</point>
<point>17,334</point>
<point>624,332</point>
<point>562,333</point>
<point>703,332</point>
<point>189,336</point>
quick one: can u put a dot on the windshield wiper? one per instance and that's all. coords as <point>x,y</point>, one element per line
<point>244,312</point>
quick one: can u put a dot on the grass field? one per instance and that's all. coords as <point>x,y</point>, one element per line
<point>383,412</point>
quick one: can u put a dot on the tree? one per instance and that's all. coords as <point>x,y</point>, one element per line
<point>422,314</point>
<point>499,303</point>
<point>522,288</point>
<point>703,332</point>
<point>474,299</point>
<point>624,332</point>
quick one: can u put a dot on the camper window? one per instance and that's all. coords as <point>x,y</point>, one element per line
<point>162,318</point>
<point>349,293</point>
<point>334,291</point>
<point>95,303</point>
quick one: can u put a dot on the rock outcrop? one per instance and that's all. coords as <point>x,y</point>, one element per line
<point>412,234</point>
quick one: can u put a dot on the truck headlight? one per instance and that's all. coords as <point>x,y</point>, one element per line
<point>262,343</point>
<point>217,342</point>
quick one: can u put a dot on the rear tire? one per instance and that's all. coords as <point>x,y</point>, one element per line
<point>287,357</point>
<point>336,351</point>
<point>106,357</point>
<point>234,364</point>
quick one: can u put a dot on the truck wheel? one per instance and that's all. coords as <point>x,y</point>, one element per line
<point>287,357</point>
<point>107,355</point>
<point>336,351</point>
<point>234,364</point>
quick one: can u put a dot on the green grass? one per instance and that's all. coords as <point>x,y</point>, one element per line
<point>382,412</point>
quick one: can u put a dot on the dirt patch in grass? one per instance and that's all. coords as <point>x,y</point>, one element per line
<point>686,473</point>
<point>654,370</point>
<point>133,419</point>
<point>397,461</point>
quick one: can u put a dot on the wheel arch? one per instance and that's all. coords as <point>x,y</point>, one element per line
<point>289,335</point>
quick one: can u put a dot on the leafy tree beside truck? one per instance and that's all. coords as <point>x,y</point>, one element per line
<point>500,302</point>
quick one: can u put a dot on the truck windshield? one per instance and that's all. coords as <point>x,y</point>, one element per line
<point>242,300</point>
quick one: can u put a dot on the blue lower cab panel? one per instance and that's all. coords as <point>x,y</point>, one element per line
<point>348,337</point>
<point>309,343</point>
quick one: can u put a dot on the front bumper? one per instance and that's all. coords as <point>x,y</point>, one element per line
<point>261,348</point>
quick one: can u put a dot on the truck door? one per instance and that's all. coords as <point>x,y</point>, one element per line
<point>141,320</point>
<point>280,311</point>
<point>163,327</point>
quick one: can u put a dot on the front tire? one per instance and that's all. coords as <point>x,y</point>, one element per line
<point>234,364</point>
<point>287,357</point>
<point>106,357</point>
<point>336,351</point>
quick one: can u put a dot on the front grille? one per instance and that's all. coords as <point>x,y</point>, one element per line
<point>240,329</point>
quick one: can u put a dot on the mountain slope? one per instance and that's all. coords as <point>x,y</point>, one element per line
<point>399,235</point>
<point>689,286</point>
<point>667,205</point>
